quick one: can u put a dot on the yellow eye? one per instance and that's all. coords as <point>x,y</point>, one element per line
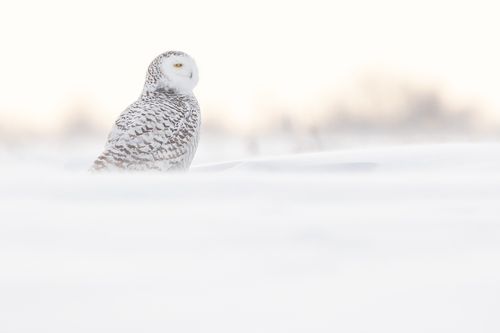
<point>178,65</point>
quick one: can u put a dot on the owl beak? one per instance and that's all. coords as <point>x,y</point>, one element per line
<point>191,75</point>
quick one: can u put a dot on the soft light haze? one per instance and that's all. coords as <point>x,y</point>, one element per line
<point>255,58</point>
<point>347,176</point>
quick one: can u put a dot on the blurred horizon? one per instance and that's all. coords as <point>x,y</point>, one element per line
<point>374,103</point>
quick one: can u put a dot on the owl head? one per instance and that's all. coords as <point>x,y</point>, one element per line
<point>173,70</point>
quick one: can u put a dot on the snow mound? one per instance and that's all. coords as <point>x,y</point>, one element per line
<point>444,157</point>
<point>403,239</point>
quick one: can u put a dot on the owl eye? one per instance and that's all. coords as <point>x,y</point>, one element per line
<point>178,65</point>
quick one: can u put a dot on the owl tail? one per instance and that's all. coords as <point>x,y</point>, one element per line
<point>100,164</point>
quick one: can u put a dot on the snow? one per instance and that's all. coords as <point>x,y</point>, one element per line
<point>394,239</point>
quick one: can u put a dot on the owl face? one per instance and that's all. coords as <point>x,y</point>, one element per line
<point>179,72</point>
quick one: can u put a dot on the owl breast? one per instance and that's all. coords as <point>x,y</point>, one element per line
<point>178,125</point>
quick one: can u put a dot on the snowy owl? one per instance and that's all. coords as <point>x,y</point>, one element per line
<point>160,130</point>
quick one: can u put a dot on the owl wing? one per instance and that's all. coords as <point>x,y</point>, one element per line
<point>143,134</point>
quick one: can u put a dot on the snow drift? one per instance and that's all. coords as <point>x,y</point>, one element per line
<point>403,239</point>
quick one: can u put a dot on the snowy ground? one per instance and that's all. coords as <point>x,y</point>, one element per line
<point>403,239</point>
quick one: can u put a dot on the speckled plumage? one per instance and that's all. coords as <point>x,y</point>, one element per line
<point>160,130</point>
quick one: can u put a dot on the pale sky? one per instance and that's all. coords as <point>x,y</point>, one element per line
<point>254,56</point>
